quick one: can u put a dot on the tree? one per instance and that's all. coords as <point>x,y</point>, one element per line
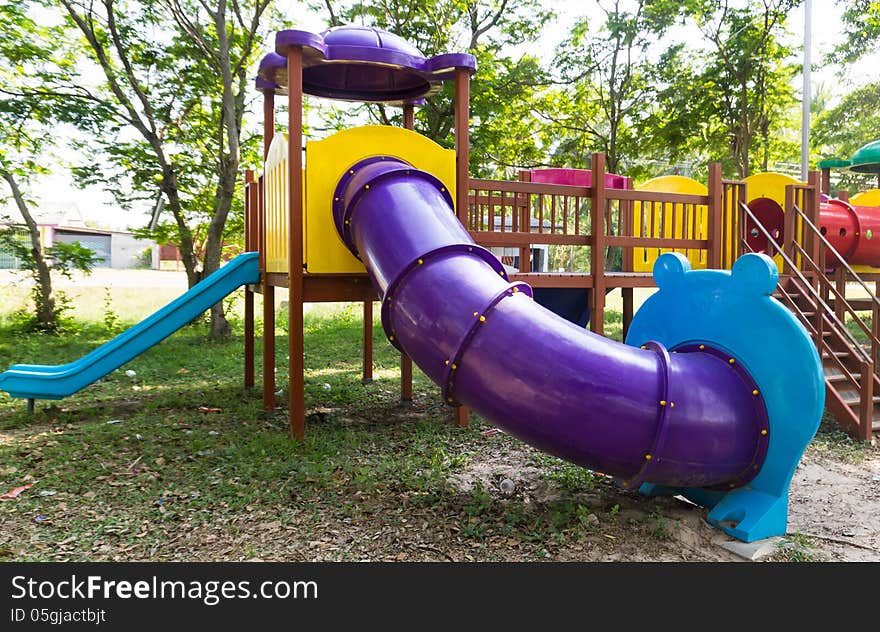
<point>174,85</point>
<point>605,72</point>
<point>26,137</point>
<point>504,130</point>
<point>839,131</point>
<point>861,19</point>
<point>746,85</point>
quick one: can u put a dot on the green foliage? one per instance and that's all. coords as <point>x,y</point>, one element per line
<point>839,131</point>
<point>861,19</point>
<point>606,75</point>
<point>733,101</point>
<point>504,127</point>
<point>63,259</point>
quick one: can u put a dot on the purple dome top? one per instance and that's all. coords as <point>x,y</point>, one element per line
<point>357,63</point>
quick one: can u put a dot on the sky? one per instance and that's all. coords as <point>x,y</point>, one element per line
<point>58,194</point>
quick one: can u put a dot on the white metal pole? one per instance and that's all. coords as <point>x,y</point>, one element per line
<point>805,103</point>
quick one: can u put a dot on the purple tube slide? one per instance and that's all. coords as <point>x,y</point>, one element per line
<point>587,399</point>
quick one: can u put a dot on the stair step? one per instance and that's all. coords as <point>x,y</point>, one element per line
<point>851,398</point>
<point>834,378</point>
<point>838,354</point>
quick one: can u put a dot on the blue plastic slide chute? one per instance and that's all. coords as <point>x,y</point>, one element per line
<point>34,381</point>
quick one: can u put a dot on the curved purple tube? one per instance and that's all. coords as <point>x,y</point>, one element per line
<point>687,418</point>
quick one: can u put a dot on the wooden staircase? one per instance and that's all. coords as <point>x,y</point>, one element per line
<point>852,385</point>
<point>850,376</point>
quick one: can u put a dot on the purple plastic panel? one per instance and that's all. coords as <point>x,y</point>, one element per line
<point>564,390</point>
<point>358,63</point>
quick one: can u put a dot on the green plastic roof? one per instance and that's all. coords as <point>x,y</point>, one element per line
<point>833,163</point>
<point>866,159</point>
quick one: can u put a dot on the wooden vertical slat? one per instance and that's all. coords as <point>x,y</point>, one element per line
<point>597,251</point>
<point>295,333</point>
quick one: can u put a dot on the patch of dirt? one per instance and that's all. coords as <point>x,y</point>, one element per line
<point>838,504</point>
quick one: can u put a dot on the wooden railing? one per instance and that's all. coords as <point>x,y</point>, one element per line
<point>518,215</point>
<point>822,320</point>
<point>842,307</point>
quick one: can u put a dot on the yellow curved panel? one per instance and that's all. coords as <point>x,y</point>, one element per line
<point>326,162</point>
<point>769,185</point>
<point>662,220</point>
<point>870,197</point>
<point>277,204</point>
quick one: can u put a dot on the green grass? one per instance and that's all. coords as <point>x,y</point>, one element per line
<point>372,480</point>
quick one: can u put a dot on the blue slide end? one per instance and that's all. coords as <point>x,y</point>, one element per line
<point>735,312</point>
<point>32,381</point>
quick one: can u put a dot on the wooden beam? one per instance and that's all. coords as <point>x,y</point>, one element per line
<point>462,161</point>
<point>268,290</point>
<point>250,188</point>
<point>597,251</point>
<point>368,343</point>
<point>714,223</point>
<point>295,333</point>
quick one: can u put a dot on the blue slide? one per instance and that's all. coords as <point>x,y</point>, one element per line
<point>35,381</point>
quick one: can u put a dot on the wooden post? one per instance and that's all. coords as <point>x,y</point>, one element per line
<point>368,342</point>
<point>295,333</point>
<point>250,188</point>
<point>268,290</point>
<point>525,223</point>
<point>840,286</point>
<point>627,230</point>
<point>462,178</point>
<point>789,230</point>
<point>813,244</point>
<point>597,251</point>
<point>826,180</point>
<point>875,330</point>
<point>406,386</point>
<point>713,217</point>
<point>866,409</point>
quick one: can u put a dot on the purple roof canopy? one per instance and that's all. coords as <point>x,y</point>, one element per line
<point>358,63</point>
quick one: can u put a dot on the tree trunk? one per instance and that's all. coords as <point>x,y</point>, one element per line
<point>44,300</point>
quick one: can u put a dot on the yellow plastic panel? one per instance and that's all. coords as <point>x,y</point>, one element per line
<point>326,162</point>
<point>649,224</point>
<point>769,185</point>
<point>870,197</point>
<point>277,205</point>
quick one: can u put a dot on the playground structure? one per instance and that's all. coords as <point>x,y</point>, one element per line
<point>729,387</point>
<point>719,387</point>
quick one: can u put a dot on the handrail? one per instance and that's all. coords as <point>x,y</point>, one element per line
<point>829,312</point>
<point>821,344</point>
<point>833,250</point>
<point>838,295</point>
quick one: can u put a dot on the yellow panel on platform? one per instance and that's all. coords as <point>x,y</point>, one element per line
<point>769,185</point>
<point>871,197</point>
<point>277,204</point>
<point>328,159</point>
<point>660,220</point>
